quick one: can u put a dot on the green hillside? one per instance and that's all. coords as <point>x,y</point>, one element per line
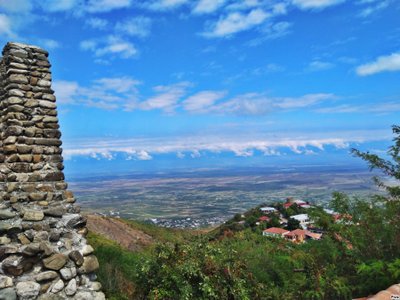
<point>358,254</point>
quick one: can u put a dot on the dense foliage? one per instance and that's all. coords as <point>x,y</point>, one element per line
<point>358,256</point>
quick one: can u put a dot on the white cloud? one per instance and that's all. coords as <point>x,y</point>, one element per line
<point>318,65</point>
<point>97,23</point>
<point>94,6</point>
<point>66,91</point>
<point>388,63</point>
<point>260,104</point>
<point>6,27</point>
<point>381,108</point>
<point>112,46</point>
<point>236,22</point>
<point>16,6</point>
<point>202,101</point>
<point>316,4</point>
<point>167,98</point>
<point>207,6</point>
<point>272,31</point>
<point>368,11</point>
<point>105,93</point>
<point>304,101</point>
<point>164,4</point>
<point>49,44</point>
<point>239,144</point>
<point>59,5</point>
<point>136,26</point>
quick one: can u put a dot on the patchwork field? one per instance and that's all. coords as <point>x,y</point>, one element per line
<point>203,198</point>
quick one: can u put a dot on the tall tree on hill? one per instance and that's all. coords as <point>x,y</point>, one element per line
<point>390,167</point>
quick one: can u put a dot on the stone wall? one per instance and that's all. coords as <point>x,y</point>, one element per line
<point>43,251</point>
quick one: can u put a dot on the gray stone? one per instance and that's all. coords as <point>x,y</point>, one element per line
<point>5,282</point>
<point>77,257</point>
<point>33,215</point>
<point>56,211</point>
<point>95,286</point>
<point>4,240</point>
<point>73,221</point>
<point>87,249</point>
<point>18,78</point>
<point>19,53</point>
<point>71,287</point>
<point>49,296</point>
<point>90,264</point>
<point>45,276</point>
<point>83,295</point>
<point>8,294</point>
<point>6,214</point>
<point>31,249</point>
<point>58,286</point>
<point>55,262</point>
<point>68,273</point>
<point>28,290</point>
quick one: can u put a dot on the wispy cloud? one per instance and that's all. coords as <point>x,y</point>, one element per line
<point>60,5</point>
<point>97,23</point>
<point>123,93</point>
<point>167,97</point>
<point>260,104</point>
<point>49,44</point>
<point>16,6</point>
<point>164,4</point>
<point>207,6</point>
<point>272,31</point>
<point>95,6</point>
<point>318,65</point>
<point>112,46</point>
<point>137,26</point>
<point>104,93</point>
<point>236,22</point>
<point>240,145</point>
<point>202,101</point>
<point>381,108</point>
<point>387,63</point>
<point>6,28</point>
<point>316,4</point>
<point>374,8</point>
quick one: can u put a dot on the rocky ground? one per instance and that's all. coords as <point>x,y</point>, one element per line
<point>119,231</point>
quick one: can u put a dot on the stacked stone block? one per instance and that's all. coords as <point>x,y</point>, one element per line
<point>43,251</point>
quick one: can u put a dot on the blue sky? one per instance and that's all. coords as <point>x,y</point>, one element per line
<point>249,81</point>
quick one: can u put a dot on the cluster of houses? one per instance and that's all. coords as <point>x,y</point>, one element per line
<point>306,232</point>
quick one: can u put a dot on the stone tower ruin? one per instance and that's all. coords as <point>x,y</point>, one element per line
<point>43,251</point>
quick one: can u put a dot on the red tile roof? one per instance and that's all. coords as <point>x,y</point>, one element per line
<point>297,232</point>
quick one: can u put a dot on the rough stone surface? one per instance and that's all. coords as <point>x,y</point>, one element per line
<point>33,215</point>
<point>28,290</point>
<point>70,289</point>
<point>8,294</point>
<point>90,264</point>
<point>45,276</point>
<point>43,252</point>
<point>55,262</point>
<point>5,282</point>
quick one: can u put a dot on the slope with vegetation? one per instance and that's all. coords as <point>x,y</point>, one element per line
<point>354,259</point>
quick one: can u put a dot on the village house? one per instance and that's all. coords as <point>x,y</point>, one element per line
<point>268,210</point>
<point>275,232</point>
<point>300,236</point>
<point>290,201</point>
<point>303,219</point>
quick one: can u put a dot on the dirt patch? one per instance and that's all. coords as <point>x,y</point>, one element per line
<point>120,232</point>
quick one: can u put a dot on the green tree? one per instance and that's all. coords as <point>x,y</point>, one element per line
<point>390,166</point>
